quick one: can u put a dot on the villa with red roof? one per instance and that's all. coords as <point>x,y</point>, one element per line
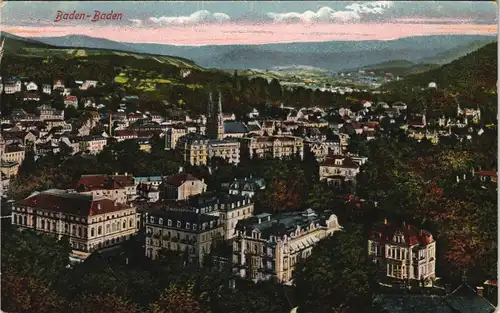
<point>403,252</point>
<point>120,188</point>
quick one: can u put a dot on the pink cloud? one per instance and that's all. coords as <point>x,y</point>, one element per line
<point>255,34</point>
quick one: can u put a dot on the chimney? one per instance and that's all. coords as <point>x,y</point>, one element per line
<point>447,288</point>
<point>480,291</point>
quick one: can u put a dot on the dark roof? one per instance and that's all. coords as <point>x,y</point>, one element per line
<point>347,162</point>
<point>465,300</point>
<point>71,203</point>
<point>233,127</point>
<point>178,179</point>
<point>185,217</point>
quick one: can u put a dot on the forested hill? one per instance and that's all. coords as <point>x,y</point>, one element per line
<point>476,70</point>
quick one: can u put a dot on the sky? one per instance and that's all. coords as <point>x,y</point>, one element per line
<point>251,22</point>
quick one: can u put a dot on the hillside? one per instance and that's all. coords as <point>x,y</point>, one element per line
<point>473,71</point>
<point>27,47</point>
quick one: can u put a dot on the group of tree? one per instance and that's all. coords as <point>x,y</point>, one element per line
<point>431,186</point>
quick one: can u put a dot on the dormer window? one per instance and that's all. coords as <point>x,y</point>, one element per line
<point>169,222</point>
<point>187,225</point>
<point>160,221</point>
<point>152,219</point>
<point>338,161</point>
<point>194,226</point>
<point>179,224</point>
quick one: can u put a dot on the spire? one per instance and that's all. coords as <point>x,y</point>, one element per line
<point>219,108</point>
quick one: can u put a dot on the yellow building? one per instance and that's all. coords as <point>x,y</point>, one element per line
<point>275,147</point>
<point>13,154</point>
<point>90,222</point>
<point>193,148</point>
<point>265,247</point>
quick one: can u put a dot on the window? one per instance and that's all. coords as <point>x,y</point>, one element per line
<point>152,219</point>
<point>169,222</point>
<point>178,223</point>
<point>113,227</point>
<point>25,220</point>
<point>160,221</point>
<point>43,224</point>
<point>130,223</point>
<point>54,228</point>
<point>92,231</point>
<point>73,230</point>
<point>79,231</point>
<point>187,225</point>
<point>194,226</point>
<point>108,228</point>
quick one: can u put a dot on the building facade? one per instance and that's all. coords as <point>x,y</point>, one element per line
<point>89,222</point>
<point>182,186</point>
<point>339,171</point>
<point>187,233</point>
<point>403,252</point>
<point>266,246</point>
<point>275,147</point>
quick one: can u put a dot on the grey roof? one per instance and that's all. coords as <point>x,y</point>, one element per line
<point>253,127</point>
<point>233,127</point>
<point>281,224</point>
<point>397,303</point>
<point>465,300</point>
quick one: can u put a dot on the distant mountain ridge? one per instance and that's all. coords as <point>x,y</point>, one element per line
<point>332,55</point>
<point>476,70</point>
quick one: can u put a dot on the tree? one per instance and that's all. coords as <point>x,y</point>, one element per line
<point>23,293</point>
<point>94,303</point>
<point>337,276</point>
<point>178,299</point>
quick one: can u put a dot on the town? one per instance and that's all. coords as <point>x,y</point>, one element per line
<point>195,190</point>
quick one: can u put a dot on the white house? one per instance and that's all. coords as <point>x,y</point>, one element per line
<point>31,86</point>
<point>46,89</point>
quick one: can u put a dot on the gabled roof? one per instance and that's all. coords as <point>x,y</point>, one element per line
<point>179,179</point>
<point>465,300</point>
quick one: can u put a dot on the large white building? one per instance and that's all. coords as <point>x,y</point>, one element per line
<point>266,246</point>
<point>89,222</point>
<point>403,252</point>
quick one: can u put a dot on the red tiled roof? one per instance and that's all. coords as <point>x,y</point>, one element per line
<point>98,182</point>
<point>384,233</point>
<point>486,173</point>
<point>178,179</point>
<point>70,98</point>
<point>83,205</point>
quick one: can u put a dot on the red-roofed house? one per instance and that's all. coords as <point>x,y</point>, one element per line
<point>71,101</point>
<point>90,222</point>
<point>181,186</point>
<point>403,251</point>
<point>120,188</point>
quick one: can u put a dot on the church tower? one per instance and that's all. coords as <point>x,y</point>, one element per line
<point>220,119</point>
<point>215,120</point>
